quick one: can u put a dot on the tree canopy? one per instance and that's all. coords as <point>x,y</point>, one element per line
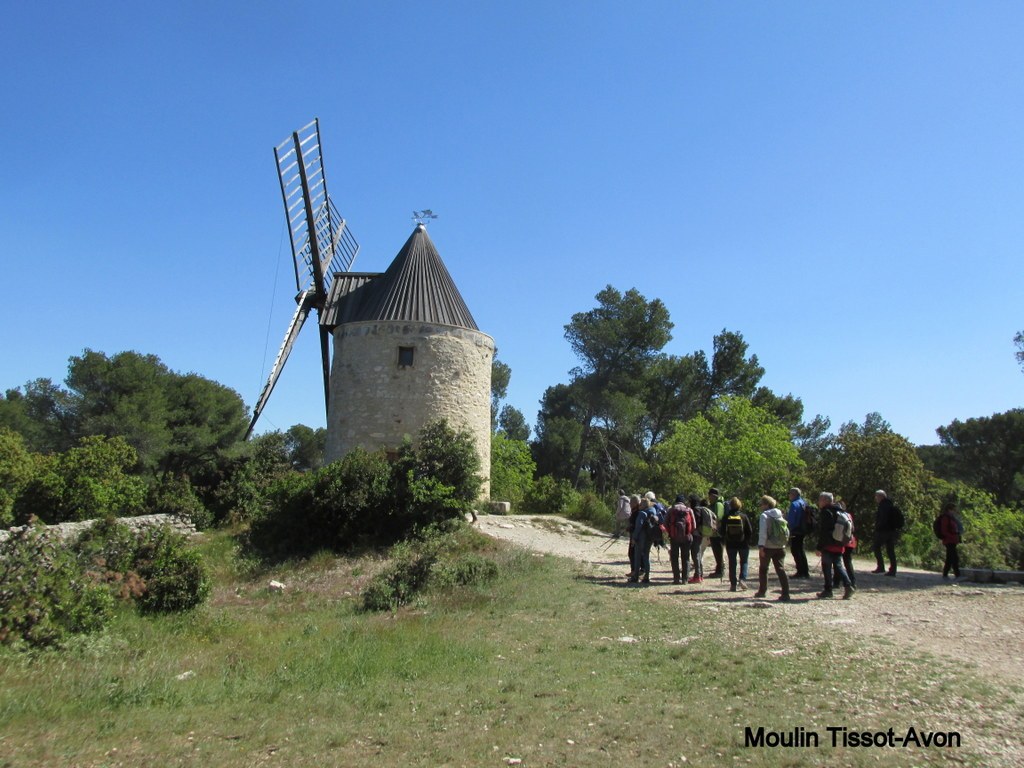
<point>988,452</point>
<point>177,424</point>
<point>735,445</point>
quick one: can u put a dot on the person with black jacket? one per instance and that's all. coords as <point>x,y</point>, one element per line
<point>888,523</point>
<point>736,532</point>
<point>830,549</point>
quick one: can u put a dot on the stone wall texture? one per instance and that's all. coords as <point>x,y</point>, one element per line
<point>70,531</point>
<point>376,403</point>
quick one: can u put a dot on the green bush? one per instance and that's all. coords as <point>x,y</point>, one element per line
<point>993,535</point>
<point>87,482</point>
<point>175,576</point>
<point>361,500</point>
<point>175,496</point>
<point>44,598</point>
<point>404,576</point>
<point>446,555</point>
<point>436,478</point>
<point>464,571</point>
<point>548,496</point>
<point>593,511</point>
<point>107,545</point>
<point>155,567</point>
<point>512,469</point>
<point>340,506</point>
<point>17,467</point>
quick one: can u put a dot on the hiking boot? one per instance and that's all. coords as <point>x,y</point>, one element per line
<point>645,580</point>
<point>758,594</point>
<point>891,572</point>
<point>676,580</point>
<point>848,592</point>
<point>732,588</point>
<point>742,585</point>
<point>879,570</point>
<point>825,595</point>
<point>717,575</point>
<point>784,598</point>
<point>695,580</point>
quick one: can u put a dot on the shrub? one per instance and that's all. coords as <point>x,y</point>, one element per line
<point>43,596</point>
<point>592,510</point>
<point>155,567</point>
<point>340,506</point>
<point>107,546</point>
<point>993,535</point>
<point>87,482</point>
<point>175,496</point>
<point>436,478</point>
<point>404,576</point>
<point>176,578</point>
<point>360,500</point>
<point>17,467</point>
<point>548,496</point>
<point>512,469</point>
<point>464,571</point>
<point>444,555</point>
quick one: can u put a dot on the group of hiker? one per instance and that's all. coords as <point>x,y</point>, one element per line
<point>692,524</point>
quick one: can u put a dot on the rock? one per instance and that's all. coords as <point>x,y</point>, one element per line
<point>500,507</point>
<point>276,586</point>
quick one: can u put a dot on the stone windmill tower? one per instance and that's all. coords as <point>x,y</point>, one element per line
<point>407,350</point>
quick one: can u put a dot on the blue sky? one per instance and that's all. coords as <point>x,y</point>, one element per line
<point>842,183</point>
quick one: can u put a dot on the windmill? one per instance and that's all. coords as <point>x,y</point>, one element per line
<point>321,243</point>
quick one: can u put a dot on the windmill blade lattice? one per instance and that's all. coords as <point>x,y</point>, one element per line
<point>321,243</point>
<point>320,238</point>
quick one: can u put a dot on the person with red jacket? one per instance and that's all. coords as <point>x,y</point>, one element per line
<point>831,550</point>
<point>949,533</point>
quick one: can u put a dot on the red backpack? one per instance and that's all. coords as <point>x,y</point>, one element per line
<point>681,524</point>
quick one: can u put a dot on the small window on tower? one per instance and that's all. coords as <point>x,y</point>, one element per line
<point>405,356</point>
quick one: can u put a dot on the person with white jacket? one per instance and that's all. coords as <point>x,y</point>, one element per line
<point>771,547</point>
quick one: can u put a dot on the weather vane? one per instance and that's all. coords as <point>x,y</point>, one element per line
<point>420,217</point>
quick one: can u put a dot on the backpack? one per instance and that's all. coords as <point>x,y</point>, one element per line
<point>842,530</point>
<point>707,522</point>
<point>898,520</point>
<point>778,531</point>
<point>809,519</point>
<point>937,527</point>
<point>734,528</point>
<point>680,524</point>
<point>654,525</point>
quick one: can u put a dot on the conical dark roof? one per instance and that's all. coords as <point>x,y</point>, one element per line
<point>416,288</point>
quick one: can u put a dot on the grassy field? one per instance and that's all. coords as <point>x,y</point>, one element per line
<point>547,664</point>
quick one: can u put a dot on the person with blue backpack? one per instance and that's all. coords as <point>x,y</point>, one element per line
<point>643,537</point>
<point>798,517</point>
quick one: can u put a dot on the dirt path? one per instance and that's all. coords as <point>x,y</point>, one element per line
<point>978,625</point>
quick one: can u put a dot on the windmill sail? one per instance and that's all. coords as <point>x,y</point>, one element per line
<point>309,209</point>
<point>321,242</point>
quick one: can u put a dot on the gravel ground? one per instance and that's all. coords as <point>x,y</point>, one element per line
<point>973,626</point>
